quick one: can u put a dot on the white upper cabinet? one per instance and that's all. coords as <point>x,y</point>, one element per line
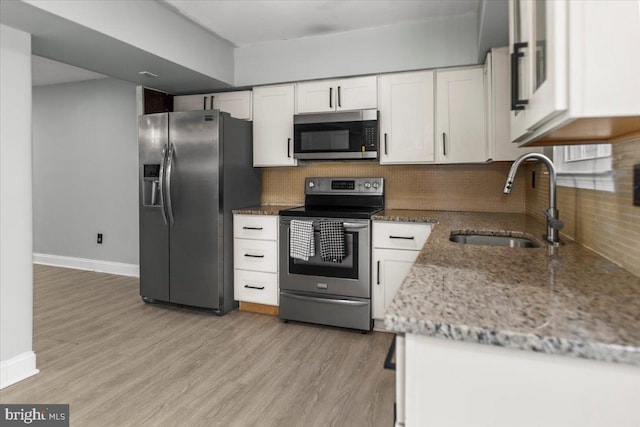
<point>497,88</point>
<point>575,67</point>
<point>337,95</point>
<point>460,116</point>
<point>237,104</point>
<point>191,102</point>
<point>406,118</point>
<point>273,125</point>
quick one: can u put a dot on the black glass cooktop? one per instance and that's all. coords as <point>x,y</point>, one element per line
<point>332,212</point>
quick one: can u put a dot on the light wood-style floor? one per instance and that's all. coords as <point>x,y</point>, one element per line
<point>120,362</point>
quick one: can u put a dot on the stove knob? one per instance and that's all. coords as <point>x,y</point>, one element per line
<point>367,185</point>
<point>311,184</point>
<point>376,185</point>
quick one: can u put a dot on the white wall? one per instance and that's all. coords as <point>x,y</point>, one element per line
<point>85,180</point>
<point>17,360</point>
<point>438,42</point>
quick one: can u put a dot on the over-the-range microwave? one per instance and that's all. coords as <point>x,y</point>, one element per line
<point>344,135</point>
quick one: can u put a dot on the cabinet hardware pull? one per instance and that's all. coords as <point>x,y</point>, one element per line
<point>516,102</point>
<point>254,287</point>
<point>254,256</point>
<point>288,147</point>
<point>385,145</point>
<point>339,103</point>
<point>330,97</point>
<point>402,237</point>
<point>444,144</point>
<point>211,103</point>
<point>204,102</point>
<point>252,228</point>
<point>378,274</point>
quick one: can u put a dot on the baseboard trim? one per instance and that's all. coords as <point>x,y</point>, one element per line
<point>17,368</point>
<point>119,268</point>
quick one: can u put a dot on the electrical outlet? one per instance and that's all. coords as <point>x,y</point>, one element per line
<point>99,241</point>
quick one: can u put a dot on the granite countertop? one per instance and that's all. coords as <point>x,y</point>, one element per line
<point>560,300</point>
<point>262,210</point>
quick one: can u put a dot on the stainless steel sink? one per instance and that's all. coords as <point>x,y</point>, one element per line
<point>492,240</point>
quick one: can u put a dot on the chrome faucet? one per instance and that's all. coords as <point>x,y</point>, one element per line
<point>553,221</point>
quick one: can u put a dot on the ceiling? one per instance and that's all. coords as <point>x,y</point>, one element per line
<point>241,22</point>
<point>249,22</point>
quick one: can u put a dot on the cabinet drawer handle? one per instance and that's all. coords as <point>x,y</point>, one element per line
<point>385,145</point>
<point>330,97</point>
<point>402,237</point>
<point>516,102</point>
<point>252,228</point>
<point>288,147</point>
<point>254,287</point>
<point>378,274</point>
<point>444,144</point>
<point>254,256</point>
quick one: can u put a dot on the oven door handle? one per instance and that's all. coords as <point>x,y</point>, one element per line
<point>327,300</point>
<point>354,225</point>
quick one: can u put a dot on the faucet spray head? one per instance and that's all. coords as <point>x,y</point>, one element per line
<point>507,186</point>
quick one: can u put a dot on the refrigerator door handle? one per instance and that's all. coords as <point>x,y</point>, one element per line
<point>169,168</point>
<point>161,185</point>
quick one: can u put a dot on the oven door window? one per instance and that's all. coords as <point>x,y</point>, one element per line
<point>347,269</point>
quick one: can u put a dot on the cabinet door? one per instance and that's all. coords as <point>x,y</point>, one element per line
<point>390,267</point>
<point>357,93</point>
<point>191,102</point>
<point>316,97</point>
<point>539,47</point>
<point>238,104</point>
<point>497,86</point>
<point>273,125</point>
<point>406,118</point>
<point>460,116</point>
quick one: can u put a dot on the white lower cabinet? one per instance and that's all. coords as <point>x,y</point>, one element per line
<point>504,387</point>
<point>395,248</point>
<point>255,259</point>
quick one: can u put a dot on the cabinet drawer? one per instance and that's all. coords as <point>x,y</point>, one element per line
<point>259,288</point>
<point>260,227</point>
<point>394,235</point>
<point>255,255</point>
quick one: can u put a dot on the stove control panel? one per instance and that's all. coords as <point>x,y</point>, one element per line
<point>356,186</point>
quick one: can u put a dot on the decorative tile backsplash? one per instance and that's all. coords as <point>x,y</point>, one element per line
<point>475,188</point>
<point>605,222</point>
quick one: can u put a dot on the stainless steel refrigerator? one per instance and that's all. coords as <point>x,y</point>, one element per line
<point>195,167</point>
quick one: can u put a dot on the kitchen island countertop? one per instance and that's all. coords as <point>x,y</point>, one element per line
<point>560,300</point>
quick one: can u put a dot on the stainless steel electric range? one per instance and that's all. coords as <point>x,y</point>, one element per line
<point>331,292</point>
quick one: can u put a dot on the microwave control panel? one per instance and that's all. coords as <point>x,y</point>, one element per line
<point>370,136</point>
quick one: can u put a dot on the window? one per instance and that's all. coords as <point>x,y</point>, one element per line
<point>584,166</point>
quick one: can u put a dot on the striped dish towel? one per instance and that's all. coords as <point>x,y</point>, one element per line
<point>301,242</point>
<point>332,241</point>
